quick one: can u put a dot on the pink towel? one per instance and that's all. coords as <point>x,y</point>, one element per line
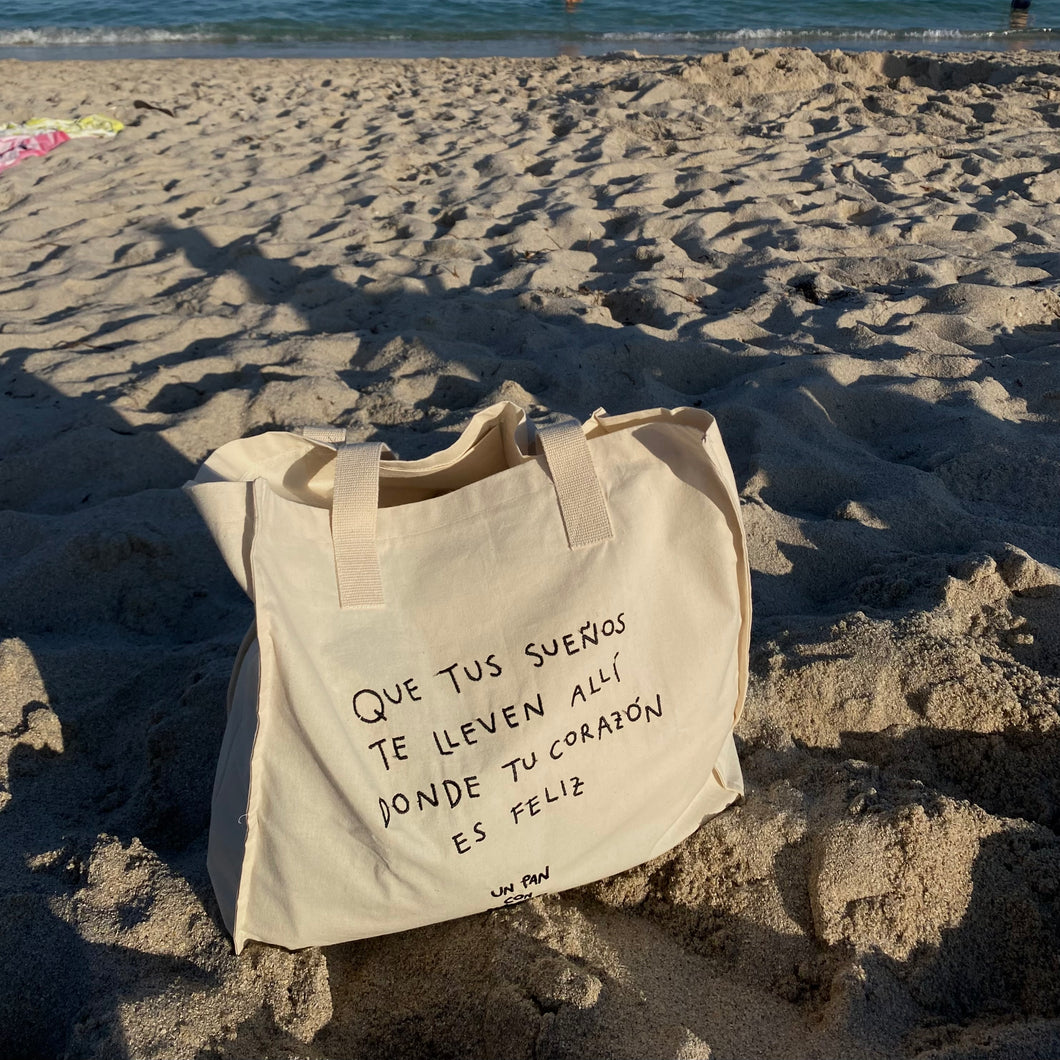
<point>14,148</point>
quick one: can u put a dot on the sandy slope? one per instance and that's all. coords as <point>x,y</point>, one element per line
<point>851,260</point>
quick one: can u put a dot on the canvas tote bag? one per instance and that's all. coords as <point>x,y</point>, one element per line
<point>507,669</point>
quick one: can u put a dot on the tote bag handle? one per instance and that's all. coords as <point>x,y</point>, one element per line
<point>356,502</point>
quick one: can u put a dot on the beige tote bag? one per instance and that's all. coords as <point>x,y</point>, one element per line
<point>507,669</point>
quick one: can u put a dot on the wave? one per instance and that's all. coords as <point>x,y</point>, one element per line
<point>282,33</point>
<point>110,35</point>
<point>834,33</point>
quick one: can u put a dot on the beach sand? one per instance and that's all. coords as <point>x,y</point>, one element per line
<point>851,260</point>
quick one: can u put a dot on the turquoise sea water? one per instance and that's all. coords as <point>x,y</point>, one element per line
<point>115,28</point>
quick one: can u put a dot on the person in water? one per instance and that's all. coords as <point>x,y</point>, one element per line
<point>1017,18</point>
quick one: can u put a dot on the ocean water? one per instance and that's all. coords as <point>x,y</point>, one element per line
<point>38,29</point>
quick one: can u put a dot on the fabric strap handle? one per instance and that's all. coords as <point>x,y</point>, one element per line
<point>578,489</point>
<point>356,501</point>
<point>353,516</point>
<point>327,435</point>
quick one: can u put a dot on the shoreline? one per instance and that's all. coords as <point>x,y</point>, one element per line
<point>546,45</point>
<point>847,257</point>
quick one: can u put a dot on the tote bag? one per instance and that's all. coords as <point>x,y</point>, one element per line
<point>507,669</point>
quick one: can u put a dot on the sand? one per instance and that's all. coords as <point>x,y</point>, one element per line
<point>850,259</point>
